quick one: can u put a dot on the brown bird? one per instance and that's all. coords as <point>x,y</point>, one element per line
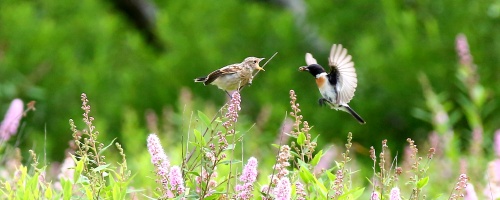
<point>337,87</point>
<point>233,77</point>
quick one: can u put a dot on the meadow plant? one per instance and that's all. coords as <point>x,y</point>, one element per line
<point>92,175</point>
<point>248,177</point>
<point>12,119</point>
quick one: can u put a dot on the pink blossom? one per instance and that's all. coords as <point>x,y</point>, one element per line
<point>232,112</point>
<point>470,193</point>
<point>497,143</point>
<point>12,118</point>
<point>160,160</point>
<point>375,196</point>
<point>463,50</point>
<point>67,168</point>
<point>176,180</point>
<point>250,171</point>
<point>395,194</point>
<point>248,177</point>
<point>300,191</point>
<point>283,189</point>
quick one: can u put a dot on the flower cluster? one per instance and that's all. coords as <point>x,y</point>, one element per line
<point>281,166</point>
<point>176,181</point>
<point>169,177</point>
<point>460,187</point>
<point>395,194</point>
<point>159,160</point>
<point>300,191</point>
<point>295,113</point>
<point>248,177</point>
<point>11,121</point>
<point>283,190</point>
<point>203,178</point>
<point>232,112</point>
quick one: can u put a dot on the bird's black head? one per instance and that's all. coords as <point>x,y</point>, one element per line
<point>314,69</point>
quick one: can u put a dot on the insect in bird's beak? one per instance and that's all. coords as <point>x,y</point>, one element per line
<point>304,68</point>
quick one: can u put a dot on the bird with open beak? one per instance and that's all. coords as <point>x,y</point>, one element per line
<point>234,76</point>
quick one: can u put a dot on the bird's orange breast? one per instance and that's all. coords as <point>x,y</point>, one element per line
<point>320,81</point>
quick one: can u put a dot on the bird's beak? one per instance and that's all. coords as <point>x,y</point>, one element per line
<point>258,67</point>
<point>304,68</point>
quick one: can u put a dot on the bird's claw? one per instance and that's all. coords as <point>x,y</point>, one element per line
<point>322,101</point>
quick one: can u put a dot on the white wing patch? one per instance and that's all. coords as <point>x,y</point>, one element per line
<point>310,59</point>
<point>341,61</point>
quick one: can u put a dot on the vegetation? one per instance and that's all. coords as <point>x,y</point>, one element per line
<point>418,78</point>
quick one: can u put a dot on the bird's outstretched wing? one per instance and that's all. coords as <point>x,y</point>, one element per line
<point>310,59</point>
<point>340,62</point>
<point>230,69</point>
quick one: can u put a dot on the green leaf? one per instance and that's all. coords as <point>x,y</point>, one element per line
<point>101,167</point>
<point>88,192</point>
<point>199,137</point>
<point>194,173</point>
<point>316,158</point>
<point>205,119</point>
<point>422,182</point>
<point>226,162</point>
<point>106,147</point>
<point>78,168</point>
<point>305,175</point>
<point>48,193</point>
<point>301,139</point>
<point>67,189</point>
<point>315,139</point>
<point>352,194</point>
<point>331,176</point>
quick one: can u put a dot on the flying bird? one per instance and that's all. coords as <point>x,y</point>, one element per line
<point>234,76</point>
<point>337,87</point>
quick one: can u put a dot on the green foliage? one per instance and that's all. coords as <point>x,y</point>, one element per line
<point>51,51</point>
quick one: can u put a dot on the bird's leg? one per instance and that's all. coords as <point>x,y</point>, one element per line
<point>322,101</point>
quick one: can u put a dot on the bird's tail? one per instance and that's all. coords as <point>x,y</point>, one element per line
<point>200,79</point>
<point>348,109</point>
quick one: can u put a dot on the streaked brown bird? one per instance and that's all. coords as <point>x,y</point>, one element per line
<point>233,77</point>
<point>338,86</point>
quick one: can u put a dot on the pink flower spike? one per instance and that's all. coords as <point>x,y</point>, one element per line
<point>463,50</point>
<point>375,196</point>
<point>497,143</point>
<point>11,121</point>
<point>249,174</point>
<point>248,177</point>
<point>283,189</point>
<point>395,194</point>
<point>176,181</point>
<point>159,160</point>
<point>470,193</point>
<point>300,191</point>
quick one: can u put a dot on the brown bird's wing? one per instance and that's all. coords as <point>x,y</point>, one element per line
<point>230,69</point>
<point>341,63</point>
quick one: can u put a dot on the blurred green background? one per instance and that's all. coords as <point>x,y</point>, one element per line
<point>129,64</point>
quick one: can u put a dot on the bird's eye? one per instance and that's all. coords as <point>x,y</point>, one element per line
<point>254,62</point>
